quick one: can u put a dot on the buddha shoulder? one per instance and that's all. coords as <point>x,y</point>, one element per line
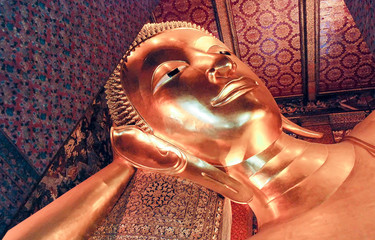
<point>365,130</point>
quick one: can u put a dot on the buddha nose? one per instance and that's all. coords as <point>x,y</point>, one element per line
<point>221,69</point>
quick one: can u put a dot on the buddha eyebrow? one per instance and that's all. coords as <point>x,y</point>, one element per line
<point>160,56</point>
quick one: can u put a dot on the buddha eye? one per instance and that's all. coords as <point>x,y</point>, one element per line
<point>166,72</point>
<point>173,72</point>
<point>225,53</point>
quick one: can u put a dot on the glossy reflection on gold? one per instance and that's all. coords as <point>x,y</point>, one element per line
<point>188,92</point>
<point>77,212</point>
<point>194,93</point>
<point>198,112</point>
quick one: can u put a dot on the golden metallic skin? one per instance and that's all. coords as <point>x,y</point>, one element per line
<point>75,213</point>
<point>202,114</point>
<point>129,142</point>
<point>193,93</point>
<point>204,103</point>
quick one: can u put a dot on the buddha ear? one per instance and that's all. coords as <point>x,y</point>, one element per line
<point>294,128</point>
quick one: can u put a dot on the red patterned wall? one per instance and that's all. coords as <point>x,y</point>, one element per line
<point>363,13</point>
<point>345,60</point>
<point>199,12</point>
<point>268,37</point>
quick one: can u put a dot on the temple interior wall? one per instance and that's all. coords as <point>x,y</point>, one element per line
<point>56,56</point>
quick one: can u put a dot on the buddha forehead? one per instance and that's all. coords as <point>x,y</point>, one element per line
<point>174,43</point>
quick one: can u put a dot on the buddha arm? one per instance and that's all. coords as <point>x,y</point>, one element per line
<point>75,213</point>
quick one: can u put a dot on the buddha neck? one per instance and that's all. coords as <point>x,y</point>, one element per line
<point>292,176</point>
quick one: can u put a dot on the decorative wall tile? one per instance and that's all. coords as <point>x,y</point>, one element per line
<point>17,177</point>
<point>269,42</point>
<point>199,12</point>
<point>363,13</point>
<point>345,60</point>
<point>86,151</point>
<point>54,57</point>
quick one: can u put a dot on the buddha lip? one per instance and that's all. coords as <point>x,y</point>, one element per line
<point>233,90</point>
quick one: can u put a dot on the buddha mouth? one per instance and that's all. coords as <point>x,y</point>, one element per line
<point>233,90</point>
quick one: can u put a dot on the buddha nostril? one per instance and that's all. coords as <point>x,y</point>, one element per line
<point>233,66</point>
<point>210,74</point>
<point>223,67</point>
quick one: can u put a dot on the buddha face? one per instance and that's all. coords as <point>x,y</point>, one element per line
<point>194,93</point>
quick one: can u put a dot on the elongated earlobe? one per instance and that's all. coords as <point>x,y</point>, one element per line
<point>294,128</point>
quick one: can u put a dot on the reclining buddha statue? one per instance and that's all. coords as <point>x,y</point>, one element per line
<point>183,104</point>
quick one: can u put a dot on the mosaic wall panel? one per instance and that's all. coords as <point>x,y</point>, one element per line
<point>156,206</point>
<point>363,13</point>
<point>54,57</point>
<point>269,42</point>
<point>16,177</point>
<point>86,151</point>
<point>199,12</point>
<point>345,60</point>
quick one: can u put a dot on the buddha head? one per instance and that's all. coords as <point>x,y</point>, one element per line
<point>181,84</point>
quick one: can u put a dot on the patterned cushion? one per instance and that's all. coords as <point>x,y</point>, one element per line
<point>156,206</point>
